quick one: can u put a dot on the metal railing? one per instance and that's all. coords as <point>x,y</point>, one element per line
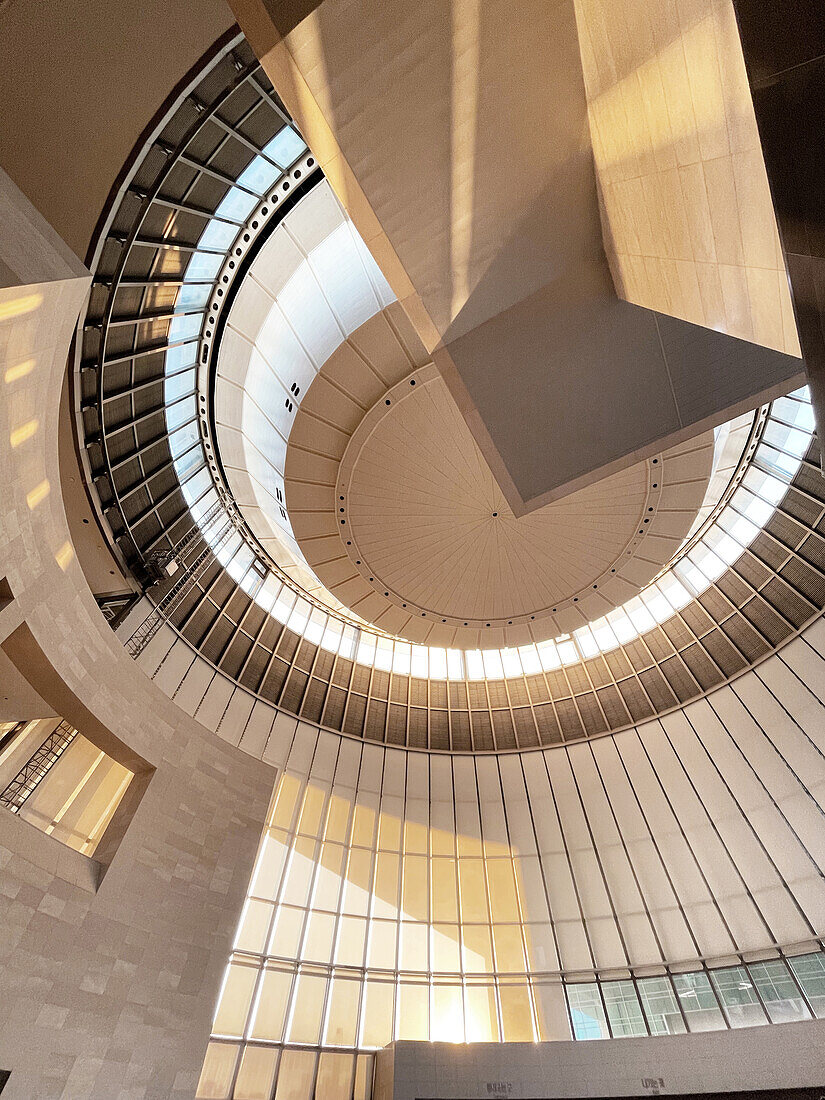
<point>35,770</point>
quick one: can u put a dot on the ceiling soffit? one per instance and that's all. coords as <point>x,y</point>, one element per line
<point>399,516</point>
<point>459,139</point>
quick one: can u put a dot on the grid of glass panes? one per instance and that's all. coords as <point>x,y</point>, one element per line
<point>405,927</point>
<point>775,462</point>
<point>397,900</point>
<point>781,990</point>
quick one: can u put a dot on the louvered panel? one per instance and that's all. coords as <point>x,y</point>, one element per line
<point>537,687</point>
<point>498,693</point>
<point>305,656</point>
<point>677,631</point>
<point>323,664</point>
<point>765,620</point>
<point>787,602</point>
<point>503,729</point>
<point>439,729</point>
<point>613,707</point>
<point>399,689</point>
<point>313,701</point>
<point>360,678</point>
<point>658,644</point>
<point>287,645</point>
<point>478,695</point>
<point>354,715</point>
<point>591,714</point>
<point>482,730</point>
<point>569,721</point>
<point>418,692</point>
<point>380,683</point>
<point>807,580</point>
<point>417,728</point>
<point>557,683</point>
<point>334,708</point>
<point>212,647</point>
<point>274,679</point>
<point>526,734</point>
<point>254,670</point>
<point>548,725</point>
<point>701,666</point>
<point>723,653</point>
<point>293,691</point>
<point>458,696</point>
<point>657,689</point>
<point>342,672</point>
<point>744,637</point>
<point>397,724</point>
<point>635,699</point>
<point>577,679</point>
<point>518,692</point>
<point>460,727</point>
<point>376,719</point>
<point>679,678</point>
<point>438,694</point>
<point>618,664</point>
<point>235,655</point>
<point>598,672</point>
<point>697,618</point>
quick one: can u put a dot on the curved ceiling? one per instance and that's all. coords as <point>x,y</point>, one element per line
<point>415,534</point>
<point>309,287</point>
<point>747,576</point>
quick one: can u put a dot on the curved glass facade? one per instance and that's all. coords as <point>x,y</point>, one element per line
<point>658,881</point>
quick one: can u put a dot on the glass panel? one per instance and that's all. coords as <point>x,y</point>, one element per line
<point>272,999</point>
<point>810,973</point>
<point>363,1077</point>
<point>307,1009</point>
<point>738,996</point>
<point>698,1002</point>
<point>445,954</point>
<point>256,1074</point>
<point>661,1007</point>
<point>623,1009</point>
<point>334,1076</point>
<point>780,996</point>
<point>413,1021</point>
<point>382,946</point>
<point>481,1015</point>
<point>216,1075</point>
<point>342,1014</point>
<point>254,926</point>
<point>516,1013</point>
<point>586,1011</point>
<point>509,949</point>
<point>447,1014</point>
<point>296,1075</point>
<point>230,1019</point>
<point>286,935</point>
<point>376,1023</point>
<point>445,905</point>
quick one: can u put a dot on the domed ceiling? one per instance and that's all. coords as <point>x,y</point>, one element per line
<point>351,462</point>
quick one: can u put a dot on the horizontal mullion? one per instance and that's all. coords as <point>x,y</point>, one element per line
<point>154,505</point>
<point>146,318</point>
<point>172,244</point>
<point>190,208</point>
<point>145,415</point>
<point>216,173</point>
<point>138,353</point>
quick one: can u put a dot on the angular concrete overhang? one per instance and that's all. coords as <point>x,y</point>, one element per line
<point>481,151</point>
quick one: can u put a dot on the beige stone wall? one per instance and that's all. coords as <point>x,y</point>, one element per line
<point>108,986</point>
<point>687,214</point>
<point>79,81</point>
